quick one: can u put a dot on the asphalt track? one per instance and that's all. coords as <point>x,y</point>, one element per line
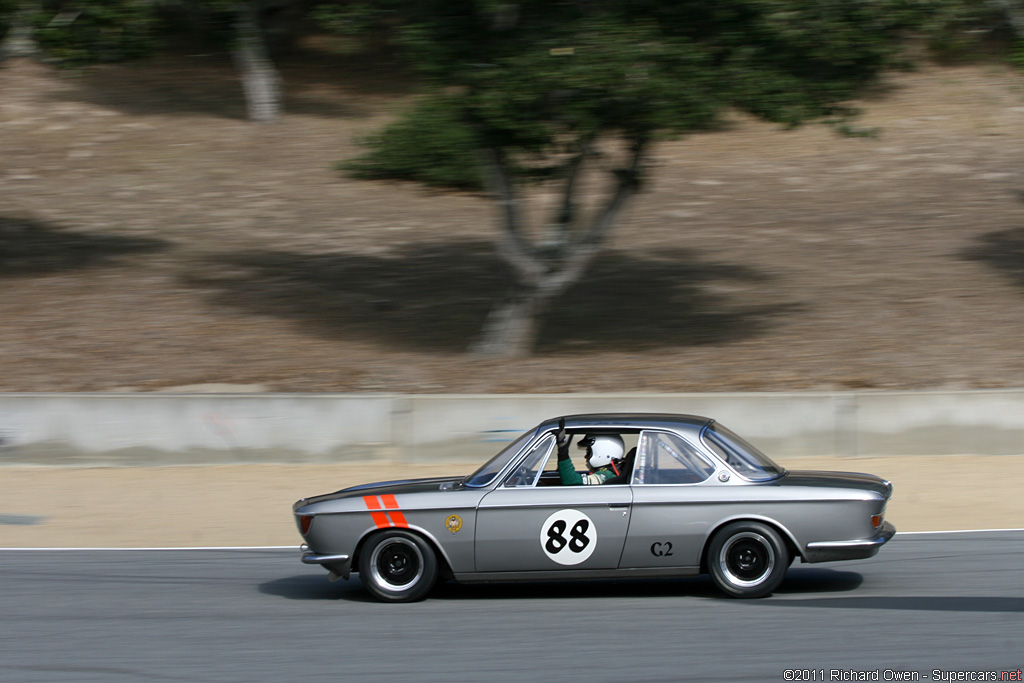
<point>952,602</point>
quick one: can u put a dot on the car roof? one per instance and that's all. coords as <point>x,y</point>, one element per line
<point>627,421</point>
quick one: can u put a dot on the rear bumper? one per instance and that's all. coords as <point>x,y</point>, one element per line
<point>829,551</point>
<point>340,566</point>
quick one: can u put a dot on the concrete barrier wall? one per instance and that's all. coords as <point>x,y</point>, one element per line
<point>168,429</point>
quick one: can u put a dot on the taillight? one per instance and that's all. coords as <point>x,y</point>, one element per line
<point>876,521</point>
<point>306,521</point>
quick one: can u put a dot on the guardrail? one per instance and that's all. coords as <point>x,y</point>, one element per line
<point>170,429</point>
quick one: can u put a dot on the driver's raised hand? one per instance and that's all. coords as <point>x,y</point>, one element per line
<point>563,439</point>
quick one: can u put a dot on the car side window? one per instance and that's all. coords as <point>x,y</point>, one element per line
<point>526,473</point>
<point>663,458</point>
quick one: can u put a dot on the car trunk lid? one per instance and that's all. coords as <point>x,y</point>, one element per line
<point>841,480</point>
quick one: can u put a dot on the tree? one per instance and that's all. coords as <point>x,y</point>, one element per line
<point>245,26</point>
<point>1014,10</point>
<point>16,28</point>
<point>75,33</point>
<point>534,91</point>
<point>260,80</point>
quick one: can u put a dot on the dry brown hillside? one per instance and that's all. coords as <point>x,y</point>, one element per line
<point>150,238</point>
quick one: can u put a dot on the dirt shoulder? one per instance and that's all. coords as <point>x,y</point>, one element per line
<point>249,505</point>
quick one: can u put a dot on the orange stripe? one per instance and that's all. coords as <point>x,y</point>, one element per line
<point>379,518</point>
<point>396,516</point>
<point>399,519</point>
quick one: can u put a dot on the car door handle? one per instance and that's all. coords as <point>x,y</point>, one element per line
<point>618,505</point>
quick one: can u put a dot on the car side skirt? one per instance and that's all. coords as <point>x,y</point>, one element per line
<point>577,574</point>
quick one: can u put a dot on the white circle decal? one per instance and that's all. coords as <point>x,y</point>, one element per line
<point>568,537</point>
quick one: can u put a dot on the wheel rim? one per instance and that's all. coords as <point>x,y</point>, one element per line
<point>747,559</point>
<point>396,564</point>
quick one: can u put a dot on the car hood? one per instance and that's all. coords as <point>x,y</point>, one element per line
<point>401,486</point>
<point>839,480</point>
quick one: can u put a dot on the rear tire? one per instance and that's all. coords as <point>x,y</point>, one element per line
<point>397,566</point>
<point>747,559</point>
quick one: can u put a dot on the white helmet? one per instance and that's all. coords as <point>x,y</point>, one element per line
<point>603,449</point>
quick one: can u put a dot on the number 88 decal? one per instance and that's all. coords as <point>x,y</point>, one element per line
<point>568,537</point>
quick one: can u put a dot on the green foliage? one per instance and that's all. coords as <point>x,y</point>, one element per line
<point>7,9</point>
<point>444,157</point>
<point>209,23</point>
<point>955,30</point>
<point>538,79</point>
<point>966,30</point>
<point>90,31</point>
<point>351,18</point>
<point>1017,55</point>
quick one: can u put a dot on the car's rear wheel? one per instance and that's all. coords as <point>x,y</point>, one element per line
<point>397,566</point>
<point>747,559</point>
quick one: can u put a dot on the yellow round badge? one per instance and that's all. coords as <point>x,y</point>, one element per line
<point>453,523</point>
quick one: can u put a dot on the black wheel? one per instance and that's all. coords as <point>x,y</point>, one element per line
<point>397,566</point>
<point>747,559</point>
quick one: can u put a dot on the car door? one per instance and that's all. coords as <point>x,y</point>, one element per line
<point>524,527</point>
<point>669,517</point>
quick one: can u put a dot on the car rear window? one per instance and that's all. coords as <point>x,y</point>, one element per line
<point>664,458</point>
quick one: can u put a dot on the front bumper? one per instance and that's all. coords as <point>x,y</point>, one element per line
<point>339,566</point>
<point>829,551</point>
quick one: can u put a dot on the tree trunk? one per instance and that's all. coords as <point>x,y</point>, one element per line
<point>512,327</point>
<point>19,41</point>
<point>1014,13</point>
<point>259,77</point>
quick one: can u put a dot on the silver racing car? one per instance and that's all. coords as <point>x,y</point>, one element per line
<point>679,495</point>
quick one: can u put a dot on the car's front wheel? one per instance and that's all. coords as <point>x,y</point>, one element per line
<point>747,559</point>
<point>397,566</point>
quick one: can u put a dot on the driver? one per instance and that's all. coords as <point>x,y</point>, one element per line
<point>604,454</point>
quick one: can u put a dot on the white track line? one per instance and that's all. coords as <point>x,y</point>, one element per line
<point>296,547</point>
<point>952,531</point>
<point>232,547</point>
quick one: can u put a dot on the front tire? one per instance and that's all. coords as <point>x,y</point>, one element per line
<point>747,559</point>
<point>397,566</point>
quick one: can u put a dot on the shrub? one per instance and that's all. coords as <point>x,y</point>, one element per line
<point>427,144</point>
<point>75,34</point>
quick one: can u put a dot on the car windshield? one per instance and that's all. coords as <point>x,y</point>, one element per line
<point>486,474</point>
<point>748,462</point>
